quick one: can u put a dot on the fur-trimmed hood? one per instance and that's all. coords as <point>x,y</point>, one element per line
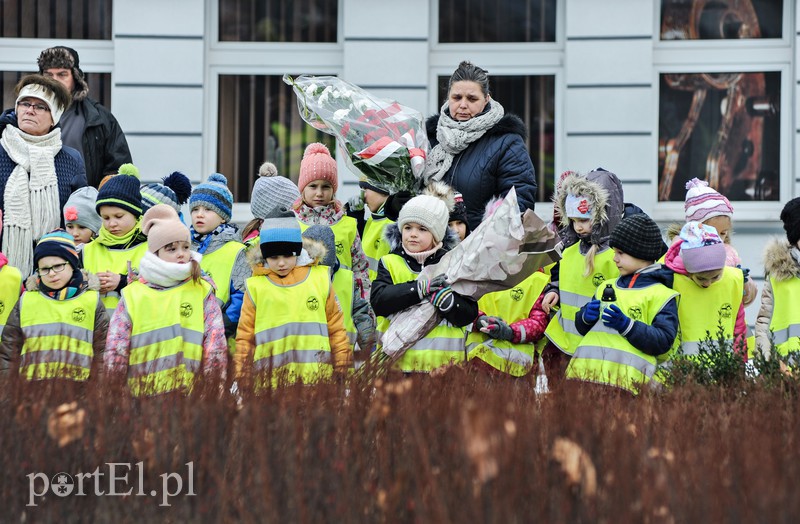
<point>778,260</point>
<point>32,282</point>
<point>393,235</point>
<point>604,191</point>
<point>508,124</point>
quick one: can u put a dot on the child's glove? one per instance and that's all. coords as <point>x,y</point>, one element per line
<point>356,203</point>
<point>591,311</point>
<point>496,328</point>
<point>443,299</point>
<point>614,318</point>
<point>426,287</point>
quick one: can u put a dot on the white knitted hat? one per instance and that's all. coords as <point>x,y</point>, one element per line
<point>428,211</point>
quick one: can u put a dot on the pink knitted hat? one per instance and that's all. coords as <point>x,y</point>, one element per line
<point>317,164</point>
<point>703,202</point>
<point>162,226</point>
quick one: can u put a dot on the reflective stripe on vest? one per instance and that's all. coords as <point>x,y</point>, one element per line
<point>445,343</point>
<point>97,258</point>
<point>344,231</point>
<point>10,286</point>
<point>343,285</point>
<point>374,244</point>
<point>511,305</point>
<point>575,290</point>
<point>606,357</point>
<point>61,347</point>
<point>219,266</point>
<point>291,329</point>
<point>166,349</point>
<point>785,321</point>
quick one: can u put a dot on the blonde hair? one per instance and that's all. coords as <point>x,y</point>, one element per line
<point>589,265</point>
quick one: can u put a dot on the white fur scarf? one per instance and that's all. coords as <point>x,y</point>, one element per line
<point>31,204</point>
<point>163,273</point>
<point>455,136</point>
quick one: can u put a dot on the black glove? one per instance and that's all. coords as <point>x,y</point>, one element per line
<point>426,288</point>
<point>444,299</point>
<point>496,328</point>
<point>395,202</point>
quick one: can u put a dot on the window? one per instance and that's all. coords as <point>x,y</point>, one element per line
<point>99,86</point>
<point>497,21</point>
<point>532,98</point>
<point>721,19</point>
<point>259,121</point>
<point>76,19</point>
<point>278,20</point>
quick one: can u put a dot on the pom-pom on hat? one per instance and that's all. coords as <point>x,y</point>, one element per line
<point>638,236</point>
<point>701,248</point>
<point>281,235</point>
<point>80,209</point>
<point>162,226</point>
<point>324,235</point>
<point>214,194</point>
<point>703,202</point>
<point>122,190</point>
<point>430,210</point>
<point>790,216</point>
<point>317,164</point>
<point>271,192</point>
<point>57,243</point>
<point>174,191</point>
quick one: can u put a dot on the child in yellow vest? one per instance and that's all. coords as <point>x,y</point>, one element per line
<point>10,286</point>
<point>711,291</point>
<point>371,229</point>
<point>120,243</point>
<point>164,348</point>
<point>778,322</point>
<point>58,328</point>
<point>291,328</point>
<point>271,192</point>
<point>217,240</point>
<point>318,183</point>
<point>418,239</point>
<point>589,207</point>
<point>631,319</point>
<point>359,319</point>
<point>80,216</point>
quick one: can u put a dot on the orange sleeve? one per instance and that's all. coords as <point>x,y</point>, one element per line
<point>245,337</point>
<point>340,345</point>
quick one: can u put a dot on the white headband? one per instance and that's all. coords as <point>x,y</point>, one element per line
<point>43,94</point>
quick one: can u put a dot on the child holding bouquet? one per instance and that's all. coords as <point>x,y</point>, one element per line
<point>317,204</point>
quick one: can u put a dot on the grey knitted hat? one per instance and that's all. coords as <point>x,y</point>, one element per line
<point>271,191</point>
<point>324,234</point>
<point>80,210</point>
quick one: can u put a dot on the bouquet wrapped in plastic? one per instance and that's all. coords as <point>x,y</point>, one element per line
<point>382,141</point>
<point>503,251</point>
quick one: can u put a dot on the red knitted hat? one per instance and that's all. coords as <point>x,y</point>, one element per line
<point>317,164</point>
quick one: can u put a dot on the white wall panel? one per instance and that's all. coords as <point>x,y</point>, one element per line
<point>157,17</point>
<point>386,63</point>
<point>609,110</point>
<point>179,61</point>
<point>367,18</point>
<point>166,110</point>
<point>157,157</point>
<point>609,62</point>
<point>609,18</point>
<point>630,158</point>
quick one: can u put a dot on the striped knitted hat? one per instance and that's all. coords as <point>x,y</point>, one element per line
<point>174,191</point>
<point>703,202</point>
<point>214,194</point>
<point>57,243</point>
<point>281,236</point>
<point>122,190</point>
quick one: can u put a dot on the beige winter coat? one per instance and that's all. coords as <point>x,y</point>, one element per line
<point>780,265</point>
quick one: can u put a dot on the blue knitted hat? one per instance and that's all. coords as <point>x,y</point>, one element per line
<point>57,243</point>
<point>174,191</point>
<point>214,194</point>
<point>122,190</point>
<point>281,236</point>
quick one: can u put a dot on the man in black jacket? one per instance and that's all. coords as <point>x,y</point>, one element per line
<point>86,126</point>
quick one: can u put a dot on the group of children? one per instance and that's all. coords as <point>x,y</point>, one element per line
<point>296,296</point>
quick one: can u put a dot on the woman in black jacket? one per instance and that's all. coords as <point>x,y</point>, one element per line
<point>477,148</point>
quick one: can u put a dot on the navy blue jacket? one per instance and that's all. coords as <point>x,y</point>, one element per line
<point>491,166</point>
<point>651,339</point>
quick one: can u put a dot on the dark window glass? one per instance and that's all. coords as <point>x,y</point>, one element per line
<point>278,20</point>
<point>99,86</point>
<point>497,21</point>
<point>259,121</point>
<point>73,19</point>
<point>532,98</point>
<point>721,19</point>
<point>723,128</point>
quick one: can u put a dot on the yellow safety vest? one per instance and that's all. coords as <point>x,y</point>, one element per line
<point>166,348</point>
<point>343,285</point>
<point>219,266</point>
<point>345,231</point>
<point>575,290</point>
<point>511,305</point>
<point>785,322</point>
<point>10,286</point>
<point>58,336</point>
<point>374,244</point>
<point>98,258</point>
<point>443,345</point>
<point>291,330</point>
<point>606,357</point>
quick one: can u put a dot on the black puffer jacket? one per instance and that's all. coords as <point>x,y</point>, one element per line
<point>491,166</point>
<point>388,298</point>
<point>104,145</point>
